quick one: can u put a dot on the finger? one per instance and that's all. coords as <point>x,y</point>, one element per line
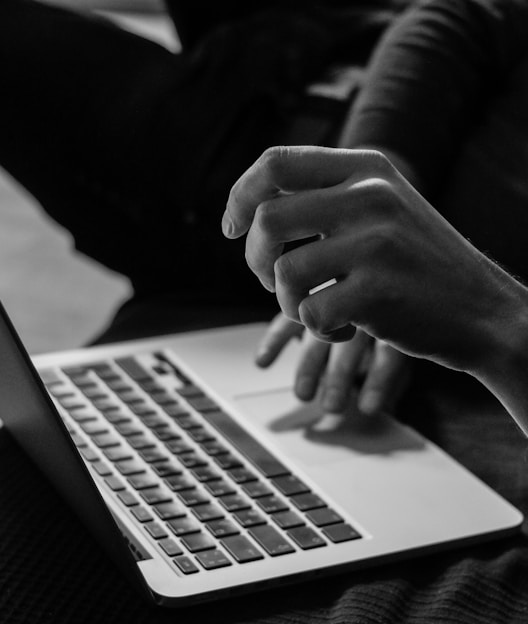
<point>343,363</point>
<point>287,219</point>
<point>279,332</point>
<point>309,269</point>
<point>291,169</point>
<point>330,314</point>
<point>311,367</point>
<point>386,380</point>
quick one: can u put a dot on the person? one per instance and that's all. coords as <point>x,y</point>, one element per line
<point>445,98</point>
<point>392,265</point>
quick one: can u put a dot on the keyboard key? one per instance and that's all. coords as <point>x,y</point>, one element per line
<point>227,461</point>
<point>306,537</point>
<point>271,504</point>
<point>202,436</point>
<point>71,402</point>
<point>241,549</point>
<point>130,467</point>
<point>244,442</point>
<point>304,502</point>
<point>234,502</point>
<point>155,530</point>
<point>153,421</point>
<point>256,489</point>
<point>104,440</point>
<point>50,376</point>
<point>183,526</point>
<point>141,409</point>
<point>177,483</point>
<point>89,454</point>
<point>117,416</point>
<point>173,409</point>
<point>209,511</point>
<point>213,447</point>
<point>340,533</point>
<point>83,414</point>
<point>187,422</point>
<point>133,368</point>
<point>204,474</point>
<point>190,390</point>
<point>130,396</point>
<point>290,485</point>
<point>143,481</point>
<point>195,542</point>
<point>170,547</point>
<point>186,565</point>
<point>93,427</point>
<point>105,405</point>
<point>127,498</point>
<point>323,516</point>
<point>127,429</point>
<point>151,455</point>
<point>114,483</point>
<point>193,496</point>
<point>202,403</point>
<point>241,475</point>
<point>219,488</point>
<point>165,469</point>
<point>192,460</point>
<point>165,434</point>
<point>287,519</point>
<point>101,468</point>
<point>118,454</point>
<point>169,510</point>
<point>141,514</point>
<point>178,447</point>
<point>213,559</point>
<point>155,495</point>
<point>271,540</point>
<point>222,528</point>
<point>140,442</point>
<point>249,517</point>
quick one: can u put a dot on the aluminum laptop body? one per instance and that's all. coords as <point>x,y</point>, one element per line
<point>204,477</point>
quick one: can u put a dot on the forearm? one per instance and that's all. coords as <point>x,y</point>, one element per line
<point>430,78</point>
<point>504,368</point>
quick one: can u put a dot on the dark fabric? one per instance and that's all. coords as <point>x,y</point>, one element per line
<point>447,90</point>
<point>51,571</point>
<point>134,150</point>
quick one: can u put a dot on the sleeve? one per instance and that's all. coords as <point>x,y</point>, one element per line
<point>429,78</point>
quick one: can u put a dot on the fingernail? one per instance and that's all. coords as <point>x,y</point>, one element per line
<point>304,388</point>
<point>369,403</point>
<point>227,225</point>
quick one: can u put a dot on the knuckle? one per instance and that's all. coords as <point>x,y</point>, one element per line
<point>266,217</point>
<point>379,162</point>
<point>286,270</point>
<point>274,159</point>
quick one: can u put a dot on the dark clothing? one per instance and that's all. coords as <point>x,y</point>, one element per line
<point>134,149</point>
<point>448,90</point>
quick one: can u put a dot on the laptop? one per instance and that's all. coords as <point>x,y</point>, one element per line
<point>204,477</point>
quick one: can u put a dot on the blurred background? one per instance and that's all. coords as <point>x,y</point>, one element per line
<point>57,298</point>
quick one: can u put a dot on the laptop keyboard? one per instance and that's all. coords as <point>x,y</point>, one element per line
<point>203,489</point>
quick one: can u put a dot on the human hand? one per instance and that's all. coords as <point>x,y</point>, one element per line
<point>401,272</point>
<point>366,371</point>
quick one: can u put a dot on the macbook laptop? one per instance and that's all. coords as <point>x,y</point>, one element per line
<point>204,477</point>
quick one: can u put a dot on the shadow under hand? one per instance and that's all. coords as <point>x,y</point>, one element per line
<point>380,434</point>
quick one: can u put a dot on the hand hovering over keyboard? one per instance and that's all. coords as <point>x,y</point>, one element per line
<point>363,371</point>
<point>396,268</point>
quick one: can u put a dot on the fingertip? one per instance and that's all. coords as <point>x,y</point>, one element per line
<point>369,403</point>
<point>304,388</point>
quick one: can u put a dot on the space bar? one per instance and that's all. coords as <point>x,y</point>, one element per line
<point>260,457</point>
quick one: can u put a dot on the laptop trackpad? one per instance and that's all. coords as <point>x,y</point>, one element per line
<point>309,436</point>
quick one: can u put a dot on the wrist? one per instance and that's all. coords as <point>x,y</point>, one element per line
<point>504,368</point>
